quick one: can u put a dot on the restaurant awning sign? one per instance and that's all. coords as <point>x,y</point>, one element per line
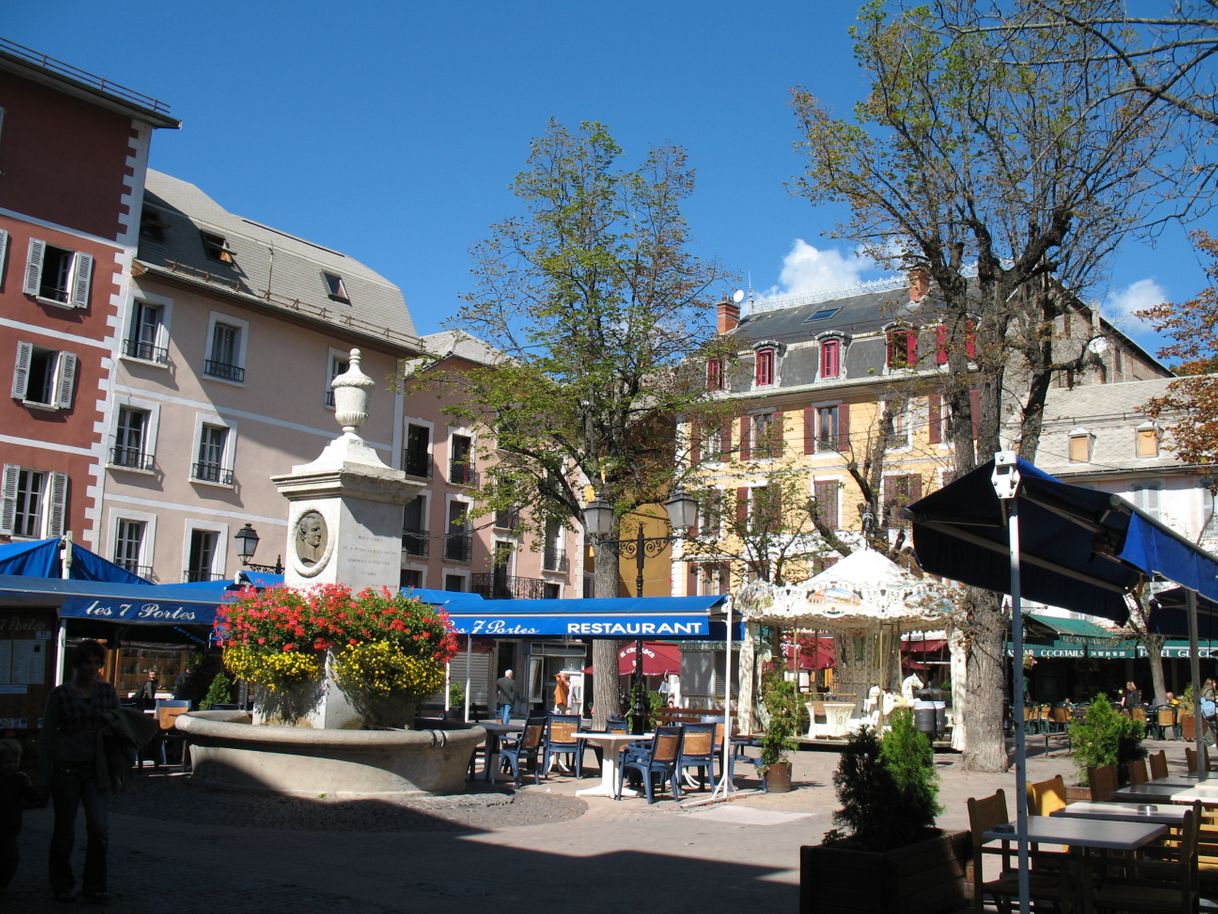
<point>623,617</point>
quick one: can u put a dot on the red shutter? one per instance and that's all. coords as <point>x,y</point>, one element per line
<point>809,430</point>
<point>695,444</point>
<point>974,407</point>
<point>941,345</point>
<point>778,435</point>
<point>742,506</point>
<point>691,585</point>
<point>911,347</point>
<point>934,417</point>
<point>843,427</point>
<point>725,436</point>
<point>746,424</point>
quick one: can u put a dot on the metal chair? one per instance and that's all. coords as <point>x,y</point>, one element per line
<point>525,747</point>
<point>561,740</point>
<point>660,762</point>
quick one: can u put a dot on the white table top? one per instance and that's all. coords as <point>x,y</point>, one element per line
<point>1158,813</point>
<point>611,739</point>
<point>1100,834</point>
<point>1207,794</point>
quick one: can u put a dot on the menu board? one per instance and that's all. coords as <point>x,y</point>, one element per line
<point>27,648</point>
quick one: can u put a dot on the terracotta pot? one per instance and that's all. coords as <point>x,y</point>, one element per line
<point>778,777</point>
<point>927,877</point>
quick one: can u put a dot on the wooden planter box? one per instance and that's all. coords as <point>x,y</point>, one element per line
<point>1076,793</point>
<point>923,878</point>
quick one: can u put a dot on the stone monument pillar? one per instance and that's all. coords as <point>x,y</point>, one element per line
<point>345,516</point>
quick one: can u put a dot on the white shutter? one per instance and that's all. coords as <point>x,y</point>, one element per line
<point>65,377</point>
<point>3,249</point>
<point>8,506</point>
<point>21,371</point>
<point>59,503</point>
<point>82,272</point>
<point>33,266</point>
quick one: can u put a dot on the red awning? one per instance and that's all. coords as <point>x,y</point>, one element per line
<point>658,659</point>
<point>918,646</point>
<point>814,653</point>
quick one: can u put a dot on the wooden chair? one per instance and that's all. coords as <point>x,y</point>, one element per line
<point>1046,885</point>
<point>1103,781</point>
<point>525,747</point>
<point>1137,771</point>
<point>698,751</point>
<point>1165,722</point>
<point>1190,759</point>
<point>1156,884</point>
<point>1047,797</point>
<point>1158,764</point>
<point>660,762</point>
<point>561,739</point>
<point>166,711</point>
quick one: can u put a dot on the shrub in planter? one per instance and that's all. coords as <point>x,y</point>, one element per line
<point>1106,737</point>
<point>782,706</point>
<point>220,692</point>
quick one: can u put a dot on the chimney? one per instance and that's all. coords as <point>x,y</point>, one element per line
<point>729,316</point>
<point>919,284</point>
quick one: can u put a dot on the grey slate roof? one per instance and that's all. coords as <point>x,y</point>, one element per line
<point>461,345</point>
<point>266,260</point>
<point>865,313</point>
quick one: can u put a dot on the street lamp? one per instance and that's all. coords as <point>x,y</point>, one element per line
<point>247,544</point>
<point>598,518</point>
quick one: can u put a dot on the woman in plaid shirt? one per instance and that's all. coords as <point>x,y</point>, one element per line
<point>73,765</point>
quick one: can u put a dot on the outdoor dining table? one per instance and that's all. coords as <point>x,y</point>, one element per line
<point>1157,813</point>
<point>612,744</point>
<point>495,731</point>
<point>1082,835</point>
<point>1149,793</point>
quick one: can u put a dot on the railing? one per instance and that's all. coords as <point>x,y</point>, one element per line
<point>223,370</point>
<point>458,546</point>
<point>330,399</point>
<point>416,464</point>
<point>131,458</point>
<point>138,349</point>
<point>507,587</point>
<point>414,542</point>
<point>508,520</point>
<point>211,472</point>
<point>462,473</point>
<point>144,571</point>
<point>553,560</point>
<point>84,76</point>
<point>194,576</point>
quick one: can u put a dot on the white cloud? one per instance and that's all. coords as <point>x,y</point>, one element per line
<point>807,269</point>
<point>1122,303</point>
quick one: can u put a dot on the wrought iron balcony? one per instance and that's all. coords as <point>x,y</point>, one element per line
<point>458,546</point>
<point>211,472</point>
<point>416,464</point>
<point>553,560</point>
<point>415,542</point>
<point>149,352</point>
<point>131,458</point>
<point>191,577</point>
<point>507,587</point>
<point>223,370</point>
<point>462,473</point>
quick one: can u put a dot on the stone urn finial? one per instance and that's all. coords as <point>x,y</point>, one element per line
<point>351,390</point>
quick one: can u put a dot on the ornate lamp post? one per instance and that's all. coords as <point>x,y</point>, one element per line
<point>598,518</point>
<point>247,543</point>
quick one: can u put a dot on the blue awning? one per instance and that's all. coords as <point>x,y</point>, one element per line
<point>40,559</point>
<point>128,604</point>
<point>620,617</point>
<point>1169,615</point>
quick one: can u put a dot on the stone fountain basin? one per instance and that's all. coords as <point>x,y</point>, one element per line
<point>228,750</point>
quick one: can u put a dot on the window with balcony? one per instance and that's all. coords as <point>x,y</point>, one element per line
<point>710,513</point>
<point>461,461</point>
<point>553,556</point>
<point>129,546</point>
<point>58,276</point>
<point>203,562</point>
<point>34,502</point>
<point>225,358</point>
<point>147,336</point>
<point>131,439</point>
<point>828,429</point>
<point>44,377</point>
<point>765,509</point>
<point>414,526</point>
<point>458,540</point>
<point>766,435</point>
<point>213,457</point>
<point>416,456</point>
<point>507,518</point>
<point>896,425</point>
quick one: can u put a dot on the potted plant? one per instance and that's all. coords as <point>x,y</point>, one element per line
<point>1105,737</point>
<point>781,704</point>
<point>886,855</point>
<point>1187,714</point>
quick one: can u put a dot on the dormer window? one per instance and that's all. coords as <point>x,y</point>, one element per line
<point>766,358</point>
<point>902,347</point>
<point>1080,446</point>
<point>830,358</point>
<point>714,374</point>
<point>335,288</point>
<point>1146,444</point>
<point>153,225</point>
<point>216,247</point>
<point>970,342</point>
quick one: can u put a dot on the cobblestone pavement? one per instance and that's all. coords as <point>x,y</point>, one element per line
<point>176,846</point>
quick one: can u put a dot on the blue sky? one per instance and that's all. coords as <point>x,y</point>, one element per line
<point>391,131</point>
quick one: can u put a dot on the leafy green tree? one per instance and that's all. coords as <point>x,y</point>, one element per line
<point>1105,737</point>
<point>595,302</point>
<point>1007,185</point>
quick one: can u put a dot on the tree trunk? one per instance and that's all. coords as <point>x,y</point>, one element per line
<point>985,682</point>
<point>1154,651</point>
<point>606,700</point>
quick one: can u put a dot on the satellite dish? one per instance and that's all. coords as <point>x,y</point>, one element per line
<point>738,296</point>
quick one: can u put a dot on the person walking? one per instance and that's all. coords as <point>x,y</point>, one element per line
<point>72,766</point>
<point>562,692</point>
<point>506,695</point>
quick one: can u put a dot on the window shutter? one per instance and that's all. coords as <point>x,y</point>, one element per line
<point>33,266</point>
<point>65,378</point>
<point>691,581</point>
<point>809,430</point>
<point>742,505</point>
<point>777,435</point>
<point>974,408</point>
<point>941,345</point>
<point>934,418</point>
<point>21,371</point>
<point>3,249</point>
<point>8,506</point>
<point>843,427</point>
<point>746,423</point>
<point>82,272</point>
<point>59,503</point>
<point>911,348</point>
<point>695,444</point>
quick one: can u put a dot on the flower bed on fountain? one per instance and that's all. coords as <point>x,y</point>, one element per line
<point>337,679</point>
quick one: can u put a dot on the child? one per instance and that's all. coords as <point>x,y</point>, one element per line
<point>14,787</point>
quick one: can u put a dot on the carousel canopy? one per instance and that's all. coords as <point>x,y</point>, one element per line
<point>862,590</point>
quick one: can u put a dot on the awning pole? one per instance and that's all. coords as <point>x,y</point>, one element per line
<point>1194,664</point>
<point>468,641</point>
<point>725,784</point>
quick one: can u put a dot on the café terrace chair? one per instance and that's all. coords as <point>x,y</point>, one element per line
<point>1045,885</point>
<point>1190,759</point>
<point>1165,723</point>
<point>698,751</point>
<point>1137,771</point>
<point>165,710</point>
<point>1158,764</point>
<point>1047,797</point>
<point>525,747</point>
<point>1145,884</point>
<point>1103,781</point>
<point>657,766</point>
<point>561,739</point>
